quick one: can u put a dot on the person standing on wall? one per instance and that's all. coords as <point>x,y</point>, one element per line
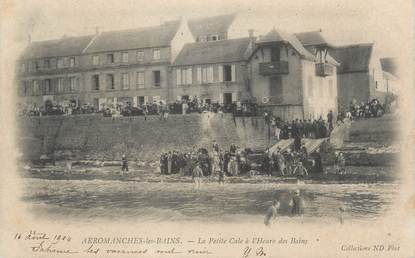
<point>124,164</point>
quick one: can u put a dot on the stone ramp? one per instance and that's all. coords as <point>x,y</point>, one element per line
<point>282,144</point>
<point>313,144</point>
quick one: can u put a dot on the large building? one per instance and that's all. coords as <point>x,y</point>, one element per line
<point>292,78</point>
<point>213,71</point>
<point>293,75</point>
<point>360,75</point>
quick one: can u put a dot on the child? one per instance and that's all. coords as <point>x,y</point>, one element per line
<point>272,213</point>
<point>297,204</point>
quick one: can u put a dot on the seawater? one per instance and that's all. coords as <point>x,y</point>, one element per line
<point>106,199</point>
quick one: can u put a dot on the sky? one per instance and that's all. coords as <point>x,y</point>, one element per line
<point>342,22</point>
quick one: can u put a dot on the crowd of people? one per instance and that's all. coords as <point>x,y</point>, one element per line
<point>237,161</point>
<point>161,108</point>
<point>372,108</point>
<point>298,128</point>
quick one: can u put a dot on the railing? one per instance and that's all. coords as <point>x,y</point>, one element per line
<point>323,69</point>
<point>273,68</point>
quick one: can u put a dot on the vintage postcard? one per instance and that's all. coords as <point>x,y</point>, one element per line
<point>207,128</point>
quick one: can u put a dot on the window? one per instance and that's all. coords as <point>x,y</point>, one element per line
<point>72,84</point>
<point>140,80</point>
<point>110,58</point>
<point>47,63</point>
<point>110,81</point>
<point>95,60</point>
<point>184,76</point>
<point>60,63</point>
<point>60,85</point>
<point>125,81</point>
<point>36,65</point>
<point>26,88</point>
<point>23,68</point>
<point>199,75</point>
<point>215,37</point>
<point>310,86</point>
<point>48,86</point>
<point>36,87</point>
<point>202,39</point>
<point>178,76</point>
<point>210,74</point>
<point>189,76</point>
<point>95,82</point>
<point>229,73</point>
<point>72,62</point>
<point>275,54</point>
<point>140,55</point>
<point>141,100</point>
<point>156,54</point>
<point>125,57</point>
<point>156,78</point>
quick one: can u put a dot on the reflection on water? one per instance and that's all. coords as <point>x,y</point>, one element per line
<point>181,201</point>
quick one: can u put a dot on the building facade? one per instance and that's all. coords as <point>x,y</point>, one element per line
<point>360,75</point>
<point>215,72</point>
<point>293,75</point>
<point>291,81</point>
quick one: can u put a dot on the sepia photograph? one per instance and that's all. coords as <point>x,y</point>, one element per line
<point>272,116</point>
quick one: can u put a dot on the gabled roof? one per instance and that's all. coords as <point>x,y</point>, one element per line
<point>156,36</point>
<point>312,38</point>
<point>211,25</point>
<point>353,58</point>
<point>66,46</point>
<point>280,36</point>
<point>221,51</point>
<point>389,65</point>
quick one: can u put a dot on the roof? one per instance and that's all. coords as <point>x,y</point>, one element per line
<point>156,36</point>
<point>66,46</point>
<point>389,65</point>
<point>281,36</point>
<point>211,25</point>
<point>353,58</point>
<point>221,51</point>
<point>312,38</point>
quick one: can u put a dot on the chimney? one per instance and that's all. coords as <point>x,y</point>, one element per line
<point>96,30</point>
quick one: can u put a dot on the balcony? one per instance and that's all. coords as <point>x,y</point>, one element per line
<point>273,68</point>
<point>323,70</point>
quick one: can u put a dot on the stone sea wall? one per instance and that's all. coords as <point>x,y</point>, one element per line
<point>103,138</point>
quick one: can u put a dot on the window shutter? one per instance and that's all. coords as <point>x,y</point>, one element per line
<point>199,75</point>
<point>145,99</point>
<point>204,75</point>
<point>210,74</point>
<point>189,76</point>
<point>178,77</point>
<point>234,96</point>
<point>178,98</point>
<point>220,73</point>
<point>220,98</point>
<point>233,73</point>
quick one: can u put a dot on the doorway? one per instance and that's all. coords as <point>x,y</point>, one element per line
<point>227,98</point>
